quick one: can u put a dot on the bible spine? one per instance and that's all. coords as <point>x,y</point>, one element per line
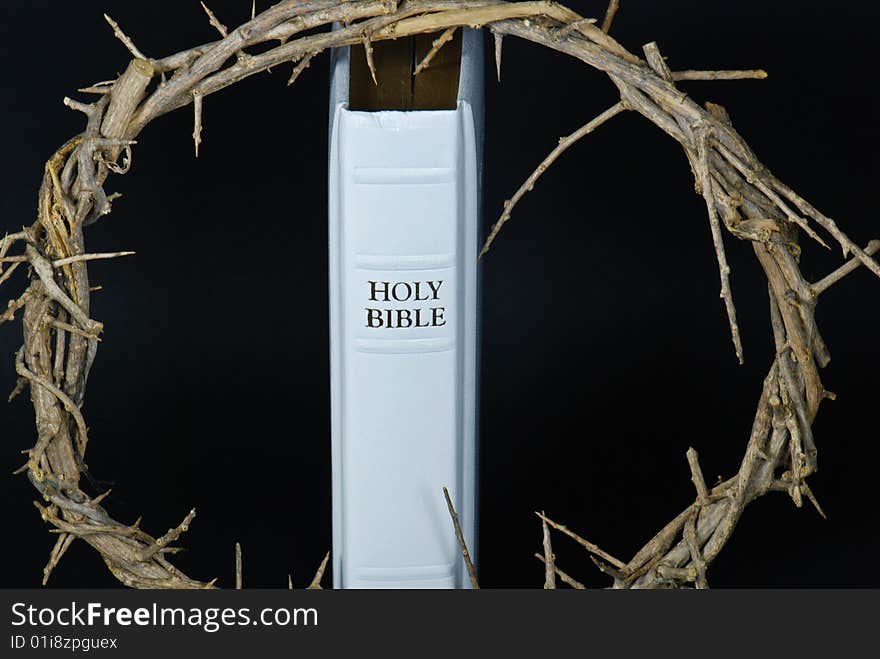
<point>404,208</point>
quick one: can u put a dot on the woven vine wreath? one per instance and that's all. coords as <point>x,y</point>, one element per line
<point>741,195</point>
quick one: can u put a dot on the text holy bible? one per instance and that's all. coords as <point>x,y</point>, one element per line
<point>404,209</point>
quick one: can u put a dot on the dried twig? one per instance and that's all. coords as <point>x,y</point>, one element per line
<point>705,178</point>
<point>368,53</point>
<point>610,13</point>
<point>754,74</point>
<point>812,497</point>
<point>565,578</point>
<point>67,327</point>
<point>6,275</point>
<point>212,19</point>
<point>828,281</point>
<point>656,61</point>
<point>197,122</point>
<point>13,306</point>
<point>300,66</point>
<point>690,536</point>
<point>79,258</point>
<point>564,143</point>
<point>69,406</point>
<point>436,45</point>
<point>239,579</point>
<point>472,572</point>
<point>697,477</point>
<point>549,563</point>
<point>126,41</point>
<point>60,548</point>
<point>566,30</point>
<point>589,546</point>
<point>755,178</point>
<point>172,535</point>
<point>319,575</point>
<point>498,40</point>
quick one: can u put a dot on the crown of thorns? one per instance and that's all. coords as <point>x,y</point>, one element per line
<point>743,199</point>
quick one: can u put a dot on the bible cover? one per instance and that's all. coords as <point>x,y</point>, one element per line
<point>404,210</point>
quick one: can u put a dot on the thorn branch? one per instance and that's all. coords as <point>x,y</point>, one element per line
<point>472,572</point>
<point>564,144</point>
<point>124,38</point>
<point>435,48</point>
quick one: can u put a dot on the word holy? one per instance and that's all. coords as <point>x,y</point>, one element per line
<point>404,291</point>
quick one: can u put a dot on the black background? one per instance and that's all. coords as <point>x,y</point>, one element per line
<point>606,350</point>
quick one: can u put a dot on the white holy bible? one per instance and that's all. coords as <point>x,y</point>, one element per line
<point>404,210</point>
